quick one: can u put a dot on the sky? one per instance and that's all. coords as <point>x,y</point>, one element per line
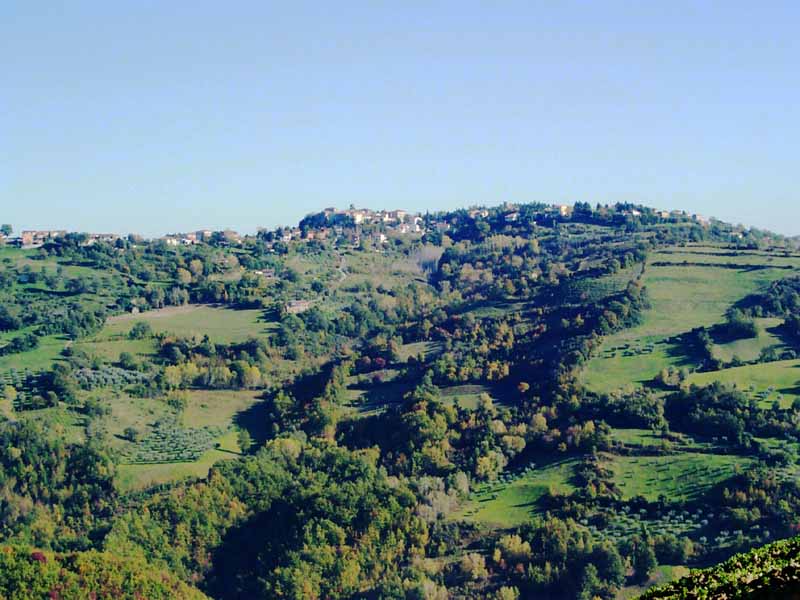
<point>153,117</point>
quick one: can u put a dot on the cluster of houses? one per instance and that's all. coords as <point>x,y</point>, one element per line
<point>38,238</point>
<point>352,224</point>
<point>399,220</point>
<point>191,238</point>
<point>511,214</point>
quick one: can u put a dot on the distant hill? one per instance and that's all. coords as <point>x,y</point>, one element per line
<point>769,572</point>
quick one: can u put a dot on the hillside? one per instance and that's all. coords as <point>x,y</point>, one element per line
<point>769,572</point>
<point>518,401</point>
<point>26,573</point>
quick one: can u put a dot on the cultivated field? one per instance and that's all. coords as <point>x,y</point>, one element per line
<point>688,288</point>
<point>187,446</point>
<point>515,498</point>
<point>223,325</point>
<point>768,382</point>
<point>683,476</point>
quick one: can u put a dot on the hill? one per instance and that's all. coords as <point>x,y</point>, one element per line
<point>514,401</point>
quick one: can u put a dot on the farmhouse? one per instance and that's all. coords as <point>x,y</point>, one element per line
<point>93,238</point>
<point>442,226</point>
<point>406,228</point>
<point>36,238</point>
<point>294,307</point>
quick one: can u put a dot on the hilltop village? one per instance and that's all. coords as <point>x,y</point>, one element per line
<point>357,226</point>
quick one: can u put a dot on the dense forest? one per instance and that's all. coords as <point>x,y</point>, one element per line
<point>522,401</point>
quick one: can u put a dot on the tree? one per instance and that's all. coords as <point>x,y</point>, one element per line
<point>590,583</point>
<point>140,330</point>
<point>6,229</point>
<point>643,559</point>
<point>244,440</point>
<point>473,567</point>
<point>196,267</point>
<point>514,549</point>
<point>507,593</point>
<point>672,550</point>
<point>184,276</point>
<point>131,433</point>
<point>128,361</point>
<point>10,393</point>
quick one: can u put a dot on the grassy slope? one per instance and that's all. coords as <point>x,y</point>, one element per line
<point>135,477</point>
<point>682,476</point>
<point>783,377</point>
<point>750,348</point>
<point>510,504</point>
<point>49,350</point>
<point>222,325</point>
<point>682,297</point>
<point>219,408</point>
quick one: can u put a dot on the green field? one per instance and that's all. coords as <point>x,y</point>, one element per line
<point>135,477</point>
<point>427,349</point>
<point>512,503</point>
<point>49,349</point>
<point>205,408</point>
<point>640,438</point>
<point>223,325</point>
<point>775,381</point>
<point>215,407</point>
<point>750,348</point>
<point>110,349</point>
<point>67,425</point>
<point>467,396</point>
<point>682,476</point>
<point>683,297</point>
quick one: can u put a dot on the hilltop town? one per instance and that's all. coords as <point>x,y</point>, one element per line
<point>376,227</point>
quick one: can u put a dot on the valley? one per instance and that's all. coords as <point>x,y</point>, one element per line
<point>611,381</point>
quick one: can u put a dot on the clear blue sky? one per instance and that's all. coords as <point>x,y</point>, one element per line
<point>157,116</point>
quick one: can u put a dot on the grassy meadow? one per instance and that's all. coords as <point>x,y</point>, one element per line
<point>683,476</point>
<point>512,501</point>
<point>223,325</point>
<point>683,297</point>
<point>750,348</point>
<point>49,350</point>
<point>218,411</point>
<point>769,382</point>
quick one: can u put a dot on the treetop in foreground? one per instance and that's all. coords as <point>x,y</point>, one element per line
<point>769,572</point>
